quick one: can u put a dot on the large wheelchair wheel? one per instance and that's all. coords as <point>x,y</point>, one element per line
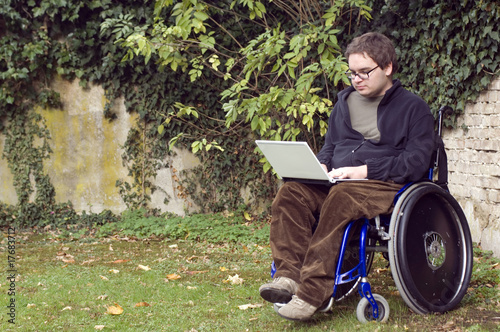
<point>430,250</point>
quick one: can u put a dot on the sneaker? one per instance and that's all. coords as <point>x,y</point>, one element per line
<point>280,290</point>
<point>297,309</point>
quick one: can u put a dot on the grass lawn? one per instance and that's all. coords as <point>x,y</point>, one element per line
<point>118,283</point>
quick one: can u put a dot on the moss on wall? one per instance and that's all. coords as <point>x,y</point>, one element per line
<point>7,191</point>
<point>86,158</point>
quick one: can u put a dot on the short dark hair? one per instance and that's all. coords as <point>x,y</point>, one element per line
<point>376,46</point>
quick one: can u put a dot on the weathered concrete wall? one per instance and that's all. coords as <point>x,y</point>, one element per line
<point>474,168</point>
<point>7,191</point>
<point>86,160</point>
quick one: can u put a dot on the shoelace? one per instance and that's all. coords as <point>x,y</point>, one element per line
<point>297,301</point>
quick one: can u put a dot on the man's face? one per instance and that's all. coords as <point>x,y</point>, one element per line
<point>379,80</point>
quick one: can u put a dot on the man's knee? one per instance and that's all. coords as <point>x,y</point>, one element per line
<point>289,193</point>
<point>294,194</point>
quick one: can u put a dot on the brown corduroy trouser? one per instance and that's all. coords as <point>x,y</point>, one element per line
<point>310,259</point>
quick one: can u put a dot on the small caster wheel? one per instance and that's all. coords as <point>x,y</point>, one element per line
<point>364,311</point>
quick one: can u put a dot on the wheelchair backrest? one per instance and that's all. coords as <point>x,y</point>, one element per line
<point>439,160</point>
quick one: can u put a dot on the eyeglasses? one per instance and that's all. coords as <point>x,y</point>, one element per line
<point>362,75</point>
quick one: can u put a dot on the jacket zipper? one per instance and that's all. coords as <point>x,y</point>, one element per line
<point>356,148</point>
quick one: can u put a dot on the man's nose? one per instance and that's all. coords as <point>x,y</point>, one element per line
<point>357,78</point>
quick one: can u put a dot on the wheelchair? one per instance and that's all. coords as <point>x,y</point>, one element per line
<point>426,240</point>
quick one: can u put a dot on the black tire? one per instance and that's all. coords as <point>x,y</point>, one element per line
<point>430,250</point>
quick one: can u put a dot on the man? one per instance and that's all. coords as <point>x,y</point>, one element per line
<point>377,131</point>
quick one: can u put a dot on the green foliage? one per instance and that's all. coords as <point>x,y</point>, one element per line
<point>279,77</point>
<point>252,57</point>
<point>66,39</point>
<point>58,215</point>
<point>143,157</point>
<point>213,228</point>
<point>26,146</point>
<point>448,50</point>
<point>212,78</point>
<point>485,277</point>
<point>7,214</point>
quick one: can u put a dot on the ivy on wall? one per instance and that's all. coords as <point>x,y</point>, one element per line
<point>448,54</point>
<point>26,147</point>
<point>41,39</point>
<point>448,50</point>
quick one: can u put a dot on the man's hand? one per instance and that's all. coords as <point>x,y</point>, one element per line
<point>357,172</point>
<point>324,167</point>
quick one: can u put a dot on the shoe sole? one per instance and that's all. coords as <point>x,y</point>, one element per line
<point>295,319</point>
<point>274,295</point>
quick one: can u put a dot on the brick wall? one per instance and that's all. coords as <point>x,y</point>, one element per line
<point>474,166</point>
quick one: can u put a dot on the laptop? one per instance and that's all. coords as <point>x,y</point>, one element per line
<point>295,161</point>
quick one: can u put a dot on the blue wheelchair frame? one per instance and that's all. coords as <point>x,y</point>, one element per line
<point>360,270</point>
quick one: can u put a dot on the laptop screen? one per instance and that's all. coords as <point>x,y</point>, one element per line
<point>292,160</point>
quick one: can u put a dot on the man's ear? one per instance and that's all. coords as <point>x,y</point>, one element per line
<point>388,70</point>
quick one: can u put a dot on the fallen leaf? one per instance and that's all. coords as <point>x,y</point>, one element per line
<point>110,248</point>
<point>249,306</point>
<point>67,308</point>
<point>142,304</point>
<point>103,278</point>
<point>235,280</point>
<point>173,276</point>
<point>102,297</point>
<point>191,287</point>
<point>144,267</point>
<point>99,327</point>
<point>31,305</point>
<point>196,257</point>
<point>115,309</point>
<point>173,246</point>
<point>223,269</point>
<point>114,271</point>
<point>66,258</point>
<point>118,261</point>
<point>195,272</point>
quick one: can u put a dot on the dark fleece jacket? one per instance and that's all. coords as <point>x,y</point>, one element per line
<point>406,143</point>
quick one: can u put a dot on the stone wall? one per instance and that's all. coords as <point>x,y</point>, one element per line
<point>474,168</point>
